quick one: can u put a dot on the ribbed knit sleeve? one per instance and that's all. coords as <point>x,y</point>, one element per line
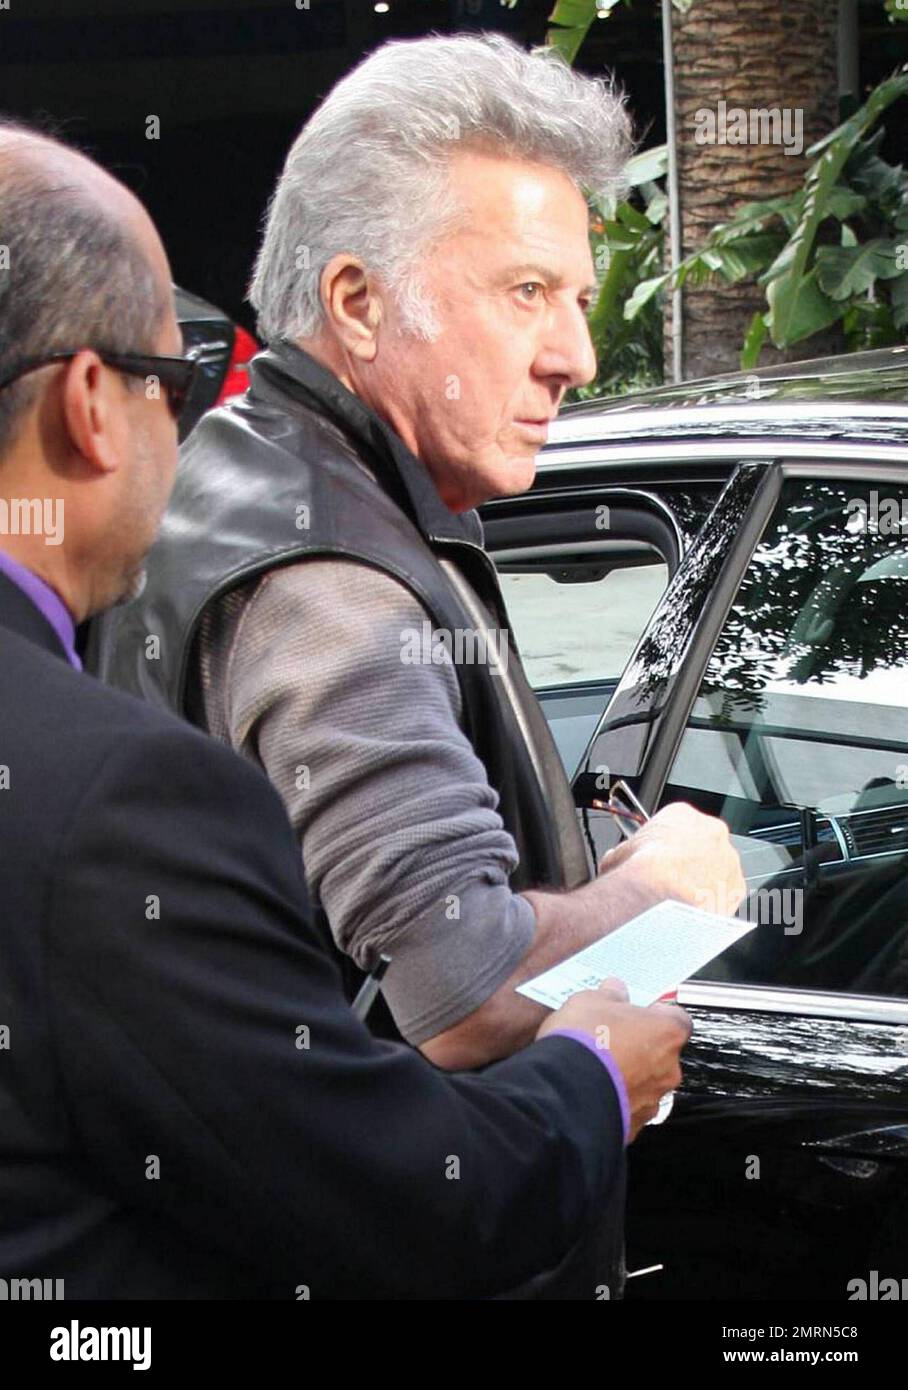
<point>305,672</point>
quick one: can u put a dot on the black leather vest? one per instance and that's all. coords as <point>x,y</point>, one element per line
<point>272,478</point>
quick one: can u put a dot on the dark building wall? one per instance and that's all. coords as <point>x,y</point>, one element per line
<point>231,82</point>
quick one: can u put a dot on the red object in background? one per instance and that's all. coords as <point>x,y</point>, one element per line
<point>237,379</point>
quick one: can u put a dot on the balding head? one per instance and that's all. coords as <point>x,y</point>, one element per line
<point>84,279</point>
<point>67,168</point>
<point>81,264</point>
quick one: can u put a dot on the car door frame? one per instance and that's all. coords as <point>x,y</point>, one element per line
<point>689,675</point>
<point>587,476</point>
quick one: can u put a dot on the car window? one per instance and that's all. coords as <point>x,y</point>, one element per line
<point>798,738</point>
<point>574,632</point>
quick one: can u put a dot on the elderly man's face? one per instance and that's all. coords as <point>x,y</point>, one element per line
<point>510,290</point>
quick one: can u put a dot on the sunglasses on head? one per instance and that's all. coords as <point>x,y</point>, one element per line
<point>175,375</point>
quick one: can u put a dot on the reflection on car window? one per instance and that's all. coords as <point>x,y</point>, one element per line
<point>799,739</point>
<point>569,633</point>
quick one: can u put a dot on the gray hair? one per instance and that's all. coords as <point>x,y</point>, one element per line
<point>367,173</point>
<point>70,275</point>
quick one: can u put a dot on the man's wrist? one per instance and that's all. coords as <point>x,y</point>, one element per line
<point>629,888</point>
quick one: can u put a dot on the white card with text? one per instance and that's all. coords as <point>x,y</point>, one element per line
<point>652,953</point>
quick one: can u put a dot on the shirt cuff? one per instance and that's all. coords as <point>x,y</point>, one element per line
<point>608,1061</point>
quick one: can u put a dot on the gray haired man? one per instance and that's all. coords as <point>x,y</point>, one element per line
<point>422,285</point>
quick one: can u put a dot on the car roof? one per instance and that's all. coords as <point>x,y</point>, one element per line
<point>880,375</point>
<point>859,396</point>
<point>884,424</point>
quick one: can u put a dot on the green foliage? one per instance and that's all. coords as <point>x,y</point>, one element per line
<point>570,21</point>
<point>844,272</point>
<point>798,306</point>
<point>835,250</point>
<point>627,248</point>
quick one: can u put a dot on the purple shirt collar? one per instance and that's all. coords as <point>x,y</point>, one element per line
<point>49,605</point>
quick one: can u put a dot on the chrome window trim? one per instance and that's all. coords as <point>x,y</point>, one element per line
<point>840,836</point>
<point>708,994</point>
<point>711,418</point>
<point>669,450</point>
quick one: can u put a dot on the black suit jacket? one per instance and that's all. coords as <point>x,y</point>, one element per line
<point>188,1108</point>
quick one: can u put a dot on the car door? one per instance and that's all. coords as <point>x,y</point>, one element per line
<point>583,559</point>
<point>771,688</point>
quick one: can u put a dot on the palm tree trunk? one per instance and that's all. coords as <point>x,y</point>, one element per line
<point>752,56</point>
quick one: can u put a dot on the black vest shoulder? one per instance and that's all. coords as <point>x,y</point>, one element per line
<point>274,478</point>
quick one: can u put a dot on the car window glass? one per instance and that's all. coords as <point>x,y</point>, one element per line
<point>798,738</point>
<point>580,631</point>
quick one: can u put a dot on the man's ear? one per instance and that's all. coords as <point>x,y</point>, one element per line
<point>353,305</point>
<point>93,410</point>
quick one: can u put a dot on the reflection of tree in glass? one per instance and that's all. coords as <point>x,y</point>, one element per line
<point>657,656</point>
<point>804,613</point>
<point>691,508</point>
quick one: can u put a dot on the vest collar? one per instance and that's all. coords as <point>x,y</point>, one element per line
<point>295,374</point>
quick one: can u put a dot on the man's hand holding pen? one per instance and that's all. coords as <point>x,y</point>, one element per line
<point>681,853</point>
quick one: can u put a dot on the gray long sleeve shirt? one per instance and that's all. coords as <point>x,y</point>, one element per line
<point>402,843</point>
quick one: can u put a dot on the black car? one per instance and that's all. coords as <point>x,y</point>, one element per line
<point>224,352</point>
<point>709,586</point>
